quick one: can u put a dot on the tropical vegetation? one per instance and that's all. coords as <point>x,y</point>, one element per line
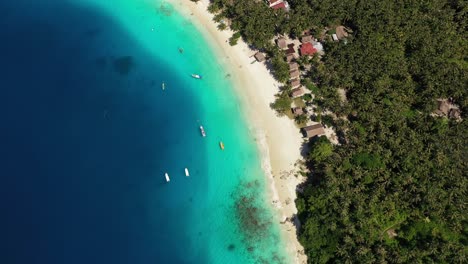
<point>394,190</point>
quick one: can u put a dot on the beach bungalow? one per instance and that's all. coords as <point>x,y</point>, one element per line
<point>259,56</point>
<point>281,42</point>
<point>294,74</point>
<point>313,130</point>
<point>298,92</point>
<point>293,66</point>
<point>335,37</point>
<point>295,83</point>
<point>307,49</point>
<point>297,111</point>
<point>290,49</point>
<point>280,5</point>
<point>273,2</point>
<point>307,39</point>
<point>341,32</point>
<point>443,107</point>
<point>289,57</point>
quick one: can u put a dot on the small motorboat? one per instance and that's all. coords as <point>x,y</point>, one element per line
<point>196,76</point>
<point>163,86</point>
<point>187,172</point>
<point>202,130</point>
<point>221,145</point>
<point>167,177</point>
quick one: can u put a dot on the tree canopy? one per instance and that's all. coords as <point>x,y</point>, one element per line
<point>394,190</point>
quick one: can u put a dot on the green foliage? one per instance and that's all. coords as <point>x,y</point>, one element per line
<point>234,38</point>
<point>301,119</point>
<point>307,97</point>
<point>222,26</point>
<point>398,168</point>
<point>320,149</point>
<point>282,103</point>
<point>280,67</point>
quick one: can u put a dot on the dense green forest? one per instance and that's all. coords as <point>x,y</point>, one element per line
<point>394,190</point>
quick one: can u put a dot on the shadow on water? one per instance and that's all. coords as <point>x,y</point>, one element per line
<point>77,148</point>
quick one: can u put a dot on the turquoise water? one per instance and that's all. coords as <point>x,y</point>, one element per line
<point>98,133</point>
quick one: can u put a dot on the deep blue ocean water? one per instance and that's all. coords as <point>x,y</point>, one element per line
<point>87,134</point>
<point>84,141</point>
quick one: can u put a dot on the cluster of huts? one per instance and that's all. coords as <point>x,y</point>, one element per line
<point>307,47</point>
<point>293,48</point>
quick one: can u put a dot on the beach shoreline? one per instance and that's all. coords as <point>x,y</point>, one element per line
<point>278,139</point>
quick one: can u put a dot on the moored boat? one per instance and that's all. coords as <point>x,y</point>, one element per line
<point>221,145</point>
<point>202,130</point>
<point>196,76</point>
<point>167,177</point>
<point>187,172</point>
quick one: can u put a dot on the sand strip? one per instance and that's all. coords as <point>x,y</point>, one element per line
<point>278,138</point>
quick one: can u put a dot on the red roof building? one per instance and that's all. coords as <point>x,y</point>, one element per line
<point>282,5</point>
<point>307,49</point>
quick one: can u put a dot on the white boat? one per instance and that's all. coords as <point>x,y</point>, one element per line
<point>202,130</point>
<point>187,172</point>
<point>196,76</point>
<point>163,86</point>
<point>167,177</point>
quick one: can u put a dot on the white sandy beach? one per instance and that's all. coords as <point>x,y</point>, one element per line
<point>279,139</point>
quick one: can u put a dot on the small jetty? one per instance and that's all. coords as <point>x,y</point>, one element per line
<point>202,131</point>
<point>167,177</point>
<point>221,145</point>
<point>187,172</point>
<point>196,76</point>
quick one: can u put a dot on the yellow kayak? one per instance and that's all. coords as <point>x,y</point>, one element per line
<point>221,145</point>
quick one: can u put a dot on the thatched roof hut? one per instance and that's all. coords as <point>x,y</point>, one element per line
<point>295,83</point>
<point>297,111</point>
<point>294,74</point>
<point>281,42</point>
<point>259,56</point>
<point>307,39</point>
<point>313,130</point>
<point>298,92</point>
<point>293,66</point>
<point>341,32</point>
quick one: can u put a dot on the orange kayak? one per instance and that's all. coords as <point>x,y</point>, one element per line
<point>221,145</point>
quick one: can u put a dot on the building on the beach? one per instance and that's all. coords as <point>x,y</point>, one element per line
<point>273,2</point>
<point>279,4</point>
<point>259,56</point>
<point>307,49</point>
<point>307,39</point>
<point>290,49</point>
<point>318,47</point>
<point>313,130</point>
<point>297,111</point>
<point>294,74</point>
<point>335,37</point>
<point>447,108</point>
<point>289,57</point>
<point>293,66</point>
<point>298,92</point>
<point>341,32</point>
<point>281,42</point>
<point>295,83</point>
<point>443,107</point>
